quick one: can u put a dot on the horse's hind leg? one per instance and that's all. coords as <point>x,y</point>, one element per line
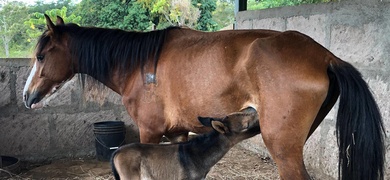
<point>285,124</point>
<point>333,94</point>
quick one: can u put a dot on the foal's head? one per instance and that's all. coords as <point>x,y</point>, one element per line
<point>238,125</point>
<point>52,65</point>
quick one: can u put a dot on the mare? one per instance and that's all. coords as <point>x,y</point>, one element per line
<point>167,78</point>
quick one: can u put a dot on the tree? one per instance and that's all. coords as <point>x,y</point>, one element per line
<point>10,15</point>
<point>224,14</point>
<point>123,14</point>
<point>166,13</point>
<point>205,21</point>
<point>41,6</point>
<point>37,21</point>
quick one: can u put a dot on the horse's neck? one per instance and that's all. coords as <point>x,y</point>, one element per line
<point>109,82</point>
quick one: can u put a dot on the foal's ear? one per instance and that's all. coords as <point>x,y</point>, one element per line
<point>59,21</point>
<point>49,23</point>
<point>220,127</point>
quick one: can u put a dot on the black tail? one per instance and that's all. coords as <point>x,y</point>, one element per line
<point>116,175</point>
<point>359,127</point>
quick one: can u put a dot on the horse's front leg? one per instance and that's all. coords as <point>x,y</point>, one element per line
<point>150,123</point>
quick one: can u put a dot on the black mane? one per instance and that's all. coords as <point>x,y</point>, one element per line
<point>98,50</point>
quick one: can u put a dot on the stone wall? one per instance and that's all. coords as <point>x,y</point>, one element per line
<point>355,31</point>
<point>62,129</point>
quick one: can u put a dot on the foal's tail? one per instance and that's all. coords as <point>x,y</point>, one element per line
<point>114,171</point>
<point>359,126</point>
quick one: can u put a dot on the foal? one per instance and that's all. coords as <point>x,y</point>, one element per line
<point>190,160</point>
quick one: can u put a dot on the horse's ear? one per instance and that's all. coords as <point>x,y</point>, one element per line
<point>59,21</point>
<point>49,23</point>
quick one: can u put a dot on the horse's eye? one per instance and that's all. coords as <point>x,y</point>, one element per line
<point>40,58</point>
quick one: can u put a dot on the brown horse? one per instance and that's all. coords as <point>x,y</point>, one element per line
<point>168,78</point>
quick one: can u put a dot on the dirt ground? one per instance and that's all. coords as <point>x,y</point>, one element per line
<point>238,164</point>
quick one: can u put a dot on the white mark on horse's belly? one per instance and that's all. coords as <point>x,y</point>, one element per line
<point>29,79</point>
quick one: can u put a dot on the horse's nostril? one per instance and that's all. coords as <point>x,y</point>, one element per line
<point>25,99</point>
<point>25,96</point>
<point>31,99</point>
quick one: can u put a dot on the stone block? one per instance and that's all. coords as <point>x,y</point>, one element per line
<point>313,26</point>
<point>245,24</point>
<point>5,86</point>
<point>278,24</point>
<point>319,151</point>
<point>21,77</point>
<point>113,97</point>
<point>313,150</point>
<point>72,134</point>
<point>360,45</point>
<point>24,135</point>
<point>96,92</point>
<point>332,115</point>
<point>381,92</point>
<point>330,158</point>
<point>387,162</point>
<point>64,95</point>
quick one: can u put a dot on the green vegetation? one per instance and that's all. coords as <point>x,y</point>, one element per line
<point>21,24</point>
<point>265,4</point>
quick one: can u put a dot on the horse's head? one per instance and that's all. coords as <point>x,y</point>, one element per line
<point>52,64</point>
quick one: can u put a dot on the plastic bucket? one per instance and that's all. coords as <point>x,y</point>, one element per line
<point>10,166</point>
<point>109,135</point>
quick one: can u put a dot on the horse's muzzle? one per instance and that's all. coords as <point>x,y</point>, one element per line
<point>30,99</point>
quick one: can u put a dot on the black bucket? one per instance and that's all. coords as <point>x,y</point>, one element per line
<point>9,166</point>
<point>109,135</point>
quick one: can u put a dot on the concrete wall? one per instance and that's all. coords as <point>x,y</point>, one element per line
<point>62,129</point>
<point>355,31</point>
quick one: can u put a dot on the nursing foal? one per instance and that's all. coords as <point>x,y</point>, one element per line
<point>190,160</point>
